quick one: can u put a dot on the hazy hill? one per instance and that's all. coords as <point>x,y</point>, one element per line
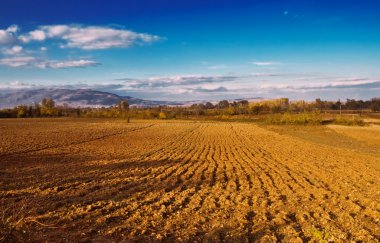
<point>74,98</point>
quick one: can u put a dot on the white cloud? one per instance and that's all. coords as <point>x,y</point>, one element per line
<point>13,51</point>
<point>198,87</point>
<point>219,89</point>
<point>182,87</point>
<point>16,85</point>
<point>266,63</point>
<point>66,36</point>
<point>18,61</point>
<point>266,74</point>
<point>8,36</point>
<point>194,81</point>
<point>37,35</point>
<point>320,86</point>
<point>89,37</point>
<point>13,28</point>
<point>178,80</point>
<point>28,61</point>
<point>72,64</point>
<point>56,30</point>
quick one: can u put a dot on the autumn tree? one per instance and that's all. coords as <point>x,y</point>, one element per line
<point>319,104</point>
<point>21,111</point>
<point>242,107</point>
<point>123,109</point>
<point>48,107</point>
<point>223,104</point>
<point>198,109</point>
<point>209,105</point>
<point>375,104</point>
<point>162,115</point>
<point>48,102</point>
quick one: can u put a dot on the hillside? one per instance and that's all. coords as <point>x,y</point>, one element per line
<point>73,98</point>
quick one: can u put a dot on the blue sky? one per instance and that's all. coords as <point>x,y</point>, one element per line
<point>189,50</point>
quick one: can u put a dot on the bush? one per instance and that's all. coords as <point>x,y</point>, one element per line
<point>311,118</point>
<point>162,115</point>
<point>305,118</point>
<point>354,121</point>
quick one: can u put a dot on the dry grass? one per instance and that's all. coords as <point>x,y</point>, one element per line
<point>369,135</point>
<point>311,118</point>
<point>186,181</point>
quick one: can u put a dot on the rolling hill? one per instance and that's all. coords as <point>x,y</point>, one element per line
<point>73,98</point>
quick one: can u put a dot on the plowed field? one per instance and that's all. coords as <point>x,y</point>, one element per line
<point>76,180</point>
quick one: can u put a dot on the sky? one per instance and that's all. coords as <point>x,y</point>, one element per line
<point>193,50</point>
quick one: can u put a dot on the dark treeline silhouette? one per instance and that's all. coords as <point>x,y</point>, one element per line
<point>48,108</point>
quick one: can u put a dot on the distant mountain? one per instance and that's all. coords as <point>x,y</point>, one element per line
<point>214,102</point>
<point>73,98</point>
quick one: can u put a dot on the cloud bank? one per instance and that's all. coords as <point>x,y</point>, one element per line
<point>32,62</point>
<point>9,35</point>
<point>15,55</point>
<point>217,87</point>
<point>88,37</point>
<point>13,50</point>
<point>266,63</point>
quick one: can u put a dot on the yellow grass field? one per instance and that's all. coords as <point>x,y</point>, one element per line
<point>69,180</point>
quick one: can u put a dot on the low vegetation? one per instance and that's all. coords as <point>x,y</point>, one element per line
<point>312,118</point>
<point>278,111</point>
<point>349,121</point>
<point>305,118</point>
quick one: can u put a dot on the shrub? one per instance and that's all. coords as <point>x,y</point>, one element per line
<point>354,121</point>
<point>162,115</point>
<point>305,118</point>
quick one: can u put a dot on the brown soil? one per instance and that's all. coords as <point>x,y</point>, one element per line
<point>66,180</point>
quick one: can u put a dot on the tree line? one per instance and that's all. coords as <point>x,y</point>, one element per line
<point>48,108</point>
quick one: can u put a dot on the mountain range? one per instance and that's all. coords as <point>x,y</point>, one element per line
<point>85,98</point>
<point>73,98</point>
